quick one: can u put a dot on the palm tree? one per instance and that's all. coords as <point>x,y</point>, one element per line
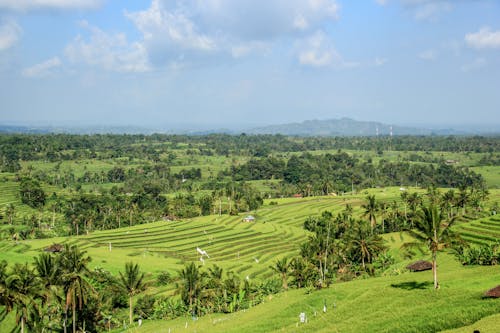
<point>365,245</point>
<point>75,286</point>
<point>447,202</point>
<point>433,231</point>
<point>191,284</point>
<point>300,271</point>
<point>371,208</point>
<point>133,283</point>
<point>49,272</point>
<point>282,267</point>
<point>19,290</point>
<point>413,200</point>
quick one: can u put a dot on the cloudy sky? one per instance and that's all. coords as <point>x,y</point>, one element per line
<point>248,62</point>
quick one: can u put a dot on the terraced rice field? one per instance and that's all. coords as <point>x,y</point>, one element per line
<point>247,248</point>
<point>482,231</point>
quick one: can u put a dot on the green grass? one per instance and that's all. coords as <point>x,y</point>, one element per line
<point>403,303</point>
<point>383,304</point>
<point>491,175</point>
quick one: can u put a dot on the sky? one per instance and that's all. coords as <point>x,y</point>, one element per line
<point>222,63</point>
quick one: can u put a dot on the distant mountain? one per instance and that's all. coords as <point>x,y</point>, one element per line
<point>23,129</point>
<point>346,127</point>
<point>328,127</point>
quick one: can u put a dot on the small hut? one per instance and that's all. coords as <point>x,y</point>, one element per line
<point>249,218</point>
<point>54,248</point>
<point>493,293</point>
<point>419,266</point>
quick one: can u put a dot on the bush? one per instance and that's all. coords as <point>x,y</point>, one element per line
<point>145,306</point>
<point>486,255</point>
<point>163,278</point>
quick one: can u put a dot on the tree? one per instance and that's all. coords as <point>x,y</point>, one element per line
<point>365,245</point>
<point>133,283</point>
<point>49,272</point>
<point>371,208</point>
<point>75,286</point>
<point>19,289</point>
<point>190,285</point>
<point>433,231</point>
<point>32,193</point>
<point>282,267</point>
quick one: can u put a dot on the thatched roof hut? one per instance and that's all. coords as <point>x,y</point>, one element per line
<point>494,292</point>
<point>54,248</point>
<point>419,266</point>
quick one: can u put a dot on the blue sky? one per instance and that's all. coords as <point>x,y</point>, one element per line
<point>219,63</point>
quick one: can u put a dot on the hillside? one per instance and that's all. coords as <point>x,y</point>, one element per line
<point>395,301</point>
<point>344,127</point>
<point>400,303</point>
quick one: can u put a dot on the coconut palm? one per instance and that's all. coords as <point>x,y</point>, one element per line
<point>73,279</point>
<point>364,245</point>
<point>190,285</point>
<point>133,283</point>
<point>434,232</point>
<point>413,200</point>
<point>282,267</point>
<point>300,271</point>
<point>49,272</point>
<point>371,208</point>
<point>19,290</point>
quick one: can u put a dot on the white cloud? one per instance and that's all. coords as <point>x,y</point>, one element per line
<point>431,11</point>
<point>172,27</point>
<point>244,49</point>
<point>183,31</point>
<point>380,61</point>
<point>27,5</point>
<point>300,22</point>
<point>318,51</point>
<point>478,63</point>
<point>42,69</point>
<point>111,52</point>
<point>483,39</point>
<point>428,55</point>
<point>9,34</point>
<point>382,2</point>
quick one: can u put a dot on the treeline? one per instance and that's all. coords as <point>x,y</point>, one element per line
<point>133,203</point>
<point>59,147</point>
<point>340,172</point>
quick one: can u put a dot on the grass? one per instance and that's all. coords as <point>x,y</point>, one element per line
<point>398,302</point>
<point>491,175</point>
<point>384,304</point>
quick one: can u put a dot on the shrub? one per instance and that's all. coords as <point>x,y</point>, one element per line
<point>486,255</point>
<point>163,278</point>
<point>145,306</point>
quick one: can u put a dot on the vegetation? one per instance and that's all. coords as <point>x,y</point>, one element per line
<point>323,214</point>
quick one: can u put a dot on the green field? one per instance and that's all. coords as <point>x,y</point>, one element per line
<point>403,303</point>
<point>399,301</point>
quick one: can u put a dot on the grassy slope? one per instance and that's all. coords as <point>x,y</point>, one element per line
<point>404,303</point>
<point>366,305</point>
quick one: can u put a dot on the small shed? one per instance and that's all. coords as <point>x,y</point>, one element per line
<point>493,293</point>
<point>419,266</point>
<point>249,218</point>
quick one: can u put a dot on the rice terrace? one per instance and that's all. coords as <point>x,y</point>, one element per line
<point>168,234</point>
<point>171,166</point>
